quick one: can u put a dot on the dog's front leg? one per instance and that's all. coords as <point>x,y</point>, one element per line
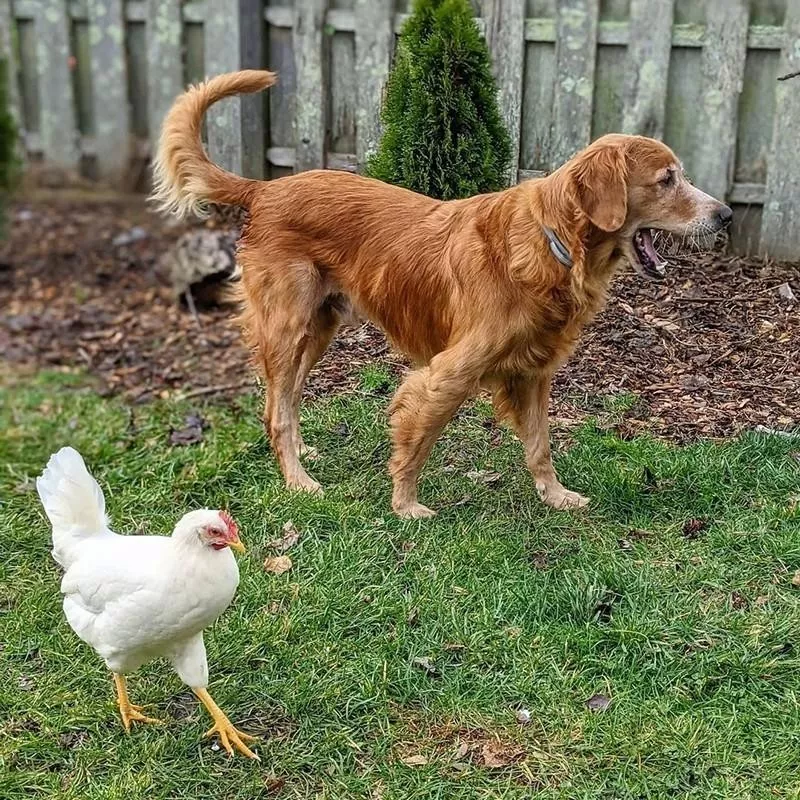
<point>522,402</point>
<point>422,406</point>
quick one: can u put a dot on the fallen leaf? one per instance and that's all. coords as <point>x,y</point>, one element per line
<point>663,324</point>
<point>523,716</point>
<point>289,539</point>
<point>539,559</point>
<point>796,579</point>
<point>484,476</point>
<point>738,601</point>
<point>785,291</point>
<point>273,786</point>
<point>461,751</point>
<point>692,528</point>
<point>71,740</point>
<point>425,664</point>
<point>277,565</point>
<point>495,754</point>
<point>415,761</point>
<point>762,600</point>
<point>191,433</point>
<point>598,702</point>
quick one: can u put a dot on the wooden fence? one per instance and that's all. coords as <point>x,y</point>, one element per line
<point>95,77</point>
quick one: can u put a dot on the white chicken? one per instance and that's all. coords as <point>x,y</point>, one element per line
<point>137,598</point>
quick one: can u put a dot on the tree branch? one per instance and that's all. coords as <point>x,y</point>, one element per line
<point>790,75</point>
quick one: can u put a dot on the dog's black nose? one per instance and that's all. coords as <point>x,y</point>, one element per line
<point>725,215</point>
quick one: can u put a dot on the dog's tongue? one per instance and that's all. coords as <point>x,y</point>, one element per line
<point>647,243</point>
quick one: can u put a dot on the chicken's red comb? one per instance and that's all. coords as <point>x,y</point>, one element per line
<point>233,528</point>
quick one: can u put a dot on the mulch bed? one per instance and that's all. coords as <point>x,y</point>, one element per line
<point>712,350</point>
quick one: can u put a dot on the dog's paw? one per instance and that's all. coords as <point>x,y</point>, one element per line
<point>305,483</point>
<point>561,498</point>
<point>414,511</point>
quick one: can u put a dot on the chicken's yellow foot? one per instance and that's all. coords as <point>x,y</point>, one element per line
<point>228,735</point>
<point>128,711</point>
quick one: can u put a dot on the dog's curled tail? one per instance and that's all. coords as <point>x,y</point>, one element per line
<point>185,180</point>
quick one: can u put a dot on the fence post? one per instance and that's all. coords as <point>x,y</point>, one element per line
<point>722,70</point>
<point>233,41</point>
<point>505,33</point>
<point>109,88</point>
<point>164,63</point>
<point>374,39</point>
<point>59,130</point>
<point>645,94</point>
<point>310,96</point>
<point>7,55</point>
<point>576,48</point>
<point>780,222</point>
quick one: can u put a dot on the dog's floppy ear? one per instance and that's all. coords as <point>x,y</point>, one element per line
<point>601,177</point>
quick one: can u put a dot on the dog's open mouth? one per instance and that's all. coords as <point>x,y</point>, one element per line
<point>650,262</point>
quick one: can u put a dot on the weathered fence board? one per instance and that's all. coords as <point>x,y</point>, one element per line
<point>8,56</point>
<point>235,126</point>
<point>109,89</point>
<point>165,73</point>
<point>780,225</point>
<point>645,94</point>
<point>374,20</point>
<point>576,48</point>
<point>58,127</point>
<point>567,70</point>
<point>311,84</point>
<point>724,54</point>
<point>506,19</point>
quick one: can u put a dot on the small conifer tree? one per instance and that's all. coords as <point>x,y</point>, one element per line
<point>8,138</point>
<point>443,134</point>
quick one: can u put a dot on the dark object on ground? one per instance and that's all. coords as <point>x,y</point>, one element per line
<point>790,75</point>
<point>443,133</point>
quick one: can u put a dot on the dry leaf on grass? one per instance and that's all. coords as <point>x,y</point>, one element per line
<point>417,760</point>
<point>598,702</point>
<point>496,754</point>
<point>796,579</point>
<point>484,476</point>
<point>277,565</point>
<point>191,433</point>
<point>523,716</point>
<point>291,536</point>
<point>425,664</point>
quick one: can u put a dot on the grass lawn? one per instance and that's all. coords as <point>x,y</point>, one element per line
<point>392,660</point>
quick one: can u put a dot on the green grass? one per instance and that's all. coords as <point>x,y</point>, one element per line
<point>694,639</point>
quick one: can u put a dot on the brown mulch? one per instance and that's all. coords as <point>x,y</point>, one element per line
<point>712,350</point>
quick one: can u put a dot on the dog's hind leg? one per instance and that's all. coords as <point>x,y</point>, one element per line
<point>287,339</point>
<point>522,401</point>
<point>321,331</point>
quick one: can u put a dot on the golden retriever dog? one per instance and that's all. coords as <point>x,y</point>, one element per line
<point>490,292</point>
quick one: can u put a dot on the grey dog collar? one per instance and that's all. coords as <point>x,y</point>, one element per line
<point>557,247</point>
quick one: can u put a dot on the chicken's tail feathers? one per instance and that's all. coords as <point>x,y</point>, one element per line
<point>72,499</point>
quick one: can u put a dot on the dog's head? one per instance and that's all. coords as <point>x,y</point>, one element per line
<point>626,188</point>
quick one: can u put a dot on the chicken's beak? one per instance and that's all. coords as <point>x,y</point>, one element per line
<point>237,545</point>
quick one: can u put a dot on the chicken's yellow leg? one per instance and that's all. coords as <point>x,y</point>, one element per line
<point>224,727</point>
<point>128,711</point>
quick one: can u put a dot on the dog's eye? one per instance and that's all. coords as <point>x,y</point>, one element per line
<point>668,179</point>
